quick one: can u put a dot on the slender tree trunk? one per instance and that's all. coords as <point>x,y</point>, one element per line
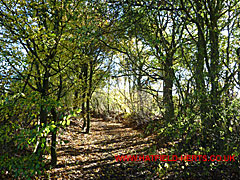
<point>41,144</point>
<point>199,71</point>
<point>88,116</point>
<point>89,96</point>
<point>83,111</point>
<point>214,73</point>
<point>167,90</point>
<point>54,140</point>
<point>85,78</point>
<point>108,96</point>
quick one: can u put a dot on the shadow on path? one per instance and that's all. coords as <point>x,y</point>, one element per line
<point>92,156</point>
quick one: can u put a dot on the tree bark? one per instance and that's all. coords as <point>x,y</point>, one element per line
<point>89,96</point>
<point>41,145</point>
<point>214,38</point>
<point>54,139</point>
<point>199,71</point>
<point>167,90</point>
<point>85,78</point>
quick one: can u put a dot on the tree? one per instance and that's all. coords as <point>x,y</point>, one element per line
<point>35,35</point>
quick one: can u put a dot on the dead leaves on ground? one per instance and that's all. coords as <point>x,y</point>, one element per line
<point>91,156</point>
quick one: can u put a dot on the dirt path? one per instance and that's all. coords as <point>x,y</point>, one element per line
<point>91,156</point>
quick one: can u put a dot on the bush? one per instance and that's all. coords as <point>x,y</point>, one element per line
<point>189,137</point>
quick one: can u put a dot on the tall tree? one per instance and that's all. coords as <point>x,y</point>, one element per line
<point>36,35</point>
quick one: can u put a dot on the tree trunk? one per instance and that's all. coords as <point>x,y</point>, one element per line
<point>199,71</point>
<point>167,90</point>
<point>89,96</point>
<point>54,139</point>
<point>88,116</point>
<point>83,111</point>
<point>85,78</point>
<point>214,73</point>
<point>41,145</point>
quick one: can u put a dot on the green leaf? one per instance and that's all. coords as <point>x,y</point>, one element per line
<point>68,122</point>
<point>66,141</point>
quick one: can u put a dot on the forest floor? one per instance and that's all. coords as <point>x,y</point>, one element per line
<point>92,156</point>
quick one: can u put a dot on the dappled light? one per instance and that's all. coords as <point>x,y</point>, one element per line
<point>119,89</point>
